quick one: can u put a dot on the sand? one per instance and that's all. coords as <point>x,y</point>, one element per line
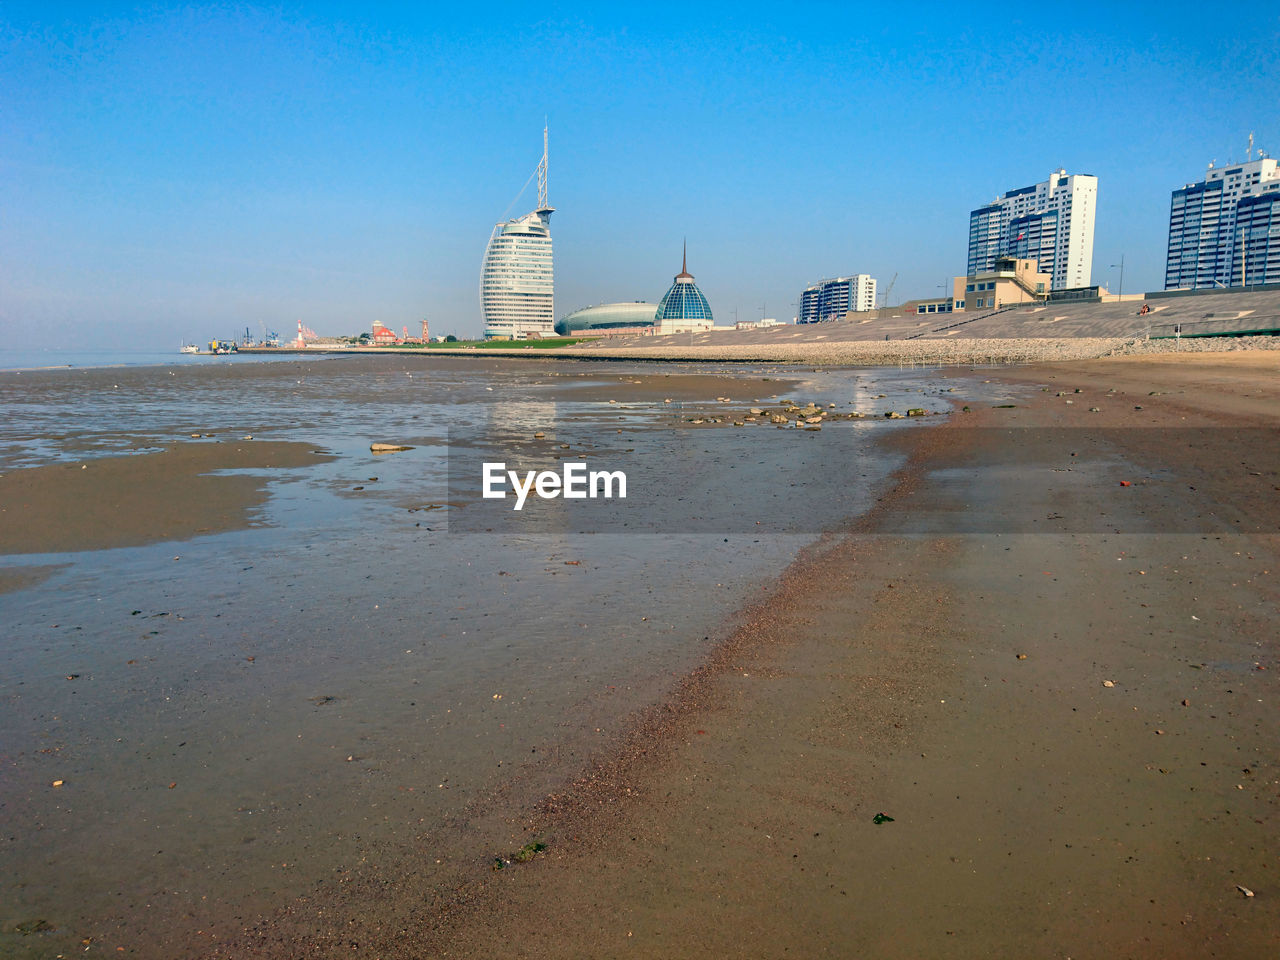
<point>1073,732</point>
<point>172,494</point>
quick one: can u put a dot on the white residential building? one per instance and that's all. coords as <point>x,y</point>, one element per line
<point>1225,230</point>
<point>1049,222</point>
<point>832,299</point>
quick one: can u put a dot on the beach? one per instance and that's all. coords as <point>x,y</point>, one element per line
<point>1039,642</point>
<point>245,652</point>
<point>1072,732</point>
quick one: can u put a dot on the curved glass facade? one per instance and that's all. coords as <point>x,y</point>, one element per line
<point>517,280</point>
<point>606,316</point>
<point>684,301</point>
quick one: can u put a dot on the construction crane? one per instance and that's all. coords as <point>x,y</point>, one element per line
<point>889,290</point>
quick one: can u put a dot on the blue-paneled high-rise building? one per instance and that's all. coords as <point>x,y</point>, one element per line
<point>1225,230</point>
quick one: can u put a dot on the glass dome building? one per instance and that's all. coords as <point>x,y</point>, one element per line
<point>684,307</point>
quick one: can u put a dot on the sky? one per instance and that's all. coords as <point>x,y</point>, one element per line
<point>181,172</point>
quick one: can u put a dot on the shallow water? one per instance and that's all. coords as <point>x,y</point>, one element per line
<point>234,716</point>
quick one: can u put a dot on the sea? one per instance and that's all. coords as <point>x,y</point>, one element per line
<point>236,716</point>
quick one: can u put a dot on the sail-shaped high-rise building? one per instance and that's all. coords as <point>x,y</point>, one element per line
<point>517,282</point>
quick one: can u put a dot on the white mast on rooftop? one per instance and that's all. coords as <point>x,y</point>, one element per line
<point>542,175</point>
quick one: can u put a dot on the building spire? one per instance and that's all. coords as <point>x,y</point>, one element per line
<point>542,173</point>
<point>684,262</point>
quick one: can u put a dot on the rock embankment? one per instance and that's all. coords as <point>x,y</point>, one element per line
<point>860,352</point>
<point>1198,345</point>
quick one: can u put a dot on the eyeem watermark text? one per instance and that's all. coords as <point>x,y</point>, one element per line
<point>575,482</point>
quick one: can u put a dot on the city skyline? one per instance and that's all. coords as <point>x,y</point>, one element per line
<point>182,172</point>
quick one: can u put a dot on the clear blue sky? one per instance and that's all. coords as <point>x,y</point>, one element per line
<point>171,172</point>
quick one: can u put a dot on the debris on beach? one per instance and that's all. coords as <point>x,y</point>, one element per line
<point>531,850</point>
<point>387,447</point>
<point>523,855</point>
<point>1245,890</point>
<point>1108,683</point>
<point>28,927</point>
<point>882,818</point>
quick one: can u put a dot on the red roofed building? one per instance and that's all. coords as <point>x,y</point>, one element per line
<point>383,335</point>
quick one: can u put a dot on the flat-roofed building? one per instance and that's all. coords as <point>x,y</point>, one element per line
<point>1010,281</point>
<point>832,299</point>
<point>1049,222</point>
<point>1223,231</point>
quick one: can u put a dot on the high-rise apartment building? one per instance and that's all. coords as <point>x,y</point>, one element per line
<point>517,281</point>
<point>1050,223</point>
<point>1225,230</point>
<point>832,299</point>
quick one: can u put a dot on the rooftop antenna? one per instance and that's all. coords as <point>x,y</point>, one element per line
<point>542,172</point>
<point>1248,156</point>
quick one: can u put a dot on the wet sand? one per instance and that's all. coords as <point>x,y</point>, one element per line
<point>19,578</point>
<point>187,745</point>
<point>162,490</point>
<point>1074,733</point>
<point>1036,811</point>
<point>172,494</point>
